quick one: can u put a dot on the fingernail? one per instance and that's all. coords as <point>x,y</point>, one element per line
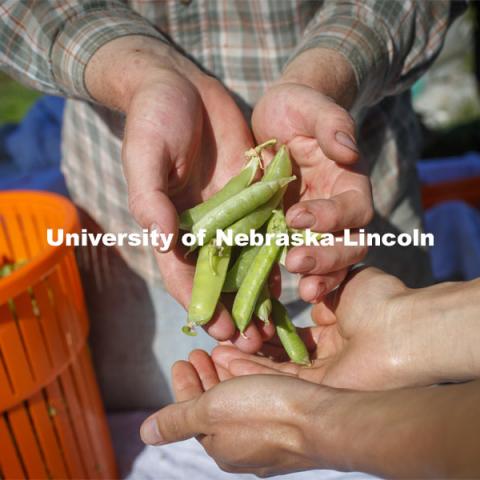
<point>346,141</point>
<point>318,294</point>
<point>150,433</point>
<point>155,232</point>
<point>305,264</point>
<point>303,220</point>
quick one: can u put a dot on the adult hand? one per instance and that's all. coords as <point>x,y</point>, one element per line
<point>184,139</point>
<point>306,110</point>
<point>264,425</point>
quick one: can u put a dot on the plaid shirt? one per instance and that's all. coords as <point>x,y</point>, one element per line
<point>246,43</point>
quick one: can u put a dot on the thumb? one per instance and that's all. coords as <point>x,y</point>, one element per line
<point>173,423</point>
<point>308,113</point>
<point>146,166</point>
<point>334,129</point>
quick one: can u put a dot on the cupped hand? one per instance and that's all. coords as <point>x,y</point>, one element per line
<point>184,138</point>
<point>333,193</point>
<point>260,424</point>
<point>361,340</point>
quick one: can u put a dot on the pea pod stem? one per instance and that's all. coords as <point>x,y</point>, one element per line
<point>287,333</point>
<point>256,151</point>
<point>210,272</point>
<point>257,274</point>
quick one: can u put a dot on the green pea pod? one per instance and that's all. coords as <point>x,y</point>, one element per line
<point>235,185</point>
<point>238,206</point>
<point>257,275</point>
<point>279,167</point>
<point>239,269</point>
<point>256,219</point>
<point>210,272</point>
<point>287,333</point>
<point>263,307</point>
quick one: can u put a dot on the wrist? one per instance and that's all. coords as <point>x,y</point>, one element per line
<point>125,65</point>
<point>439,332</point>
<point>329,429</point>
<point>326,71</point>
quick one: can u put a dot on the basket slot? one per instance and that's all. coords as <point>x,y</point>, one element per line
<point>6,249</point>
<point>58,351</point>
<point>29,449</point>
<point>70,271</point>
<point>91,420</point>
<point>42,423</point>
<point>77,413</point>
<point>24,236</point>
<point>31,233</point>
<point>14,355</point>
<point>20,251</point>
<point>10,460</point>
<point>62,422</point>
<point>99,429</point>
<point>65,310</point>
<point>6,385</point>
<point>34,338</point>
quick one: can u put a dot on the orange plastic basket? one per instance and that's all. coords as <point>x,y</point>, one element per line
<point>52,421</point>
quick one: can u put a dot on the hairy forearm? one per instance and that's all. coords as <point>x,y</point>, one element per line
<point>117,70</point>
<point>440,334</point>
<point>326,71</point>
<point>423,432</point>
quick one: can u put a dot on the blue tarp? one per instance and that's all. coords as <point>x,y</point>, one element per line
<point>30,152</point>
<point>30,159</point>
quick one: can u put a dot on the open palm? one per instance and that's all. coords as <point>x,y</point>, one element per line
<point>185,138</point>
<point>356,344</point>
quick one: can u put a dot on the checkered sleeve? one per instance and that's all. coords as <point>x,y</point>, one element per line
<point>389,43</point>
<point>47,44</point>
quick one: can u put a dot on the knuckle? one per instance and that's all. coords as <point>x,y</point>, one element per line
<point>336,216</point>
<point>213,412</point>
<point>331,260</point>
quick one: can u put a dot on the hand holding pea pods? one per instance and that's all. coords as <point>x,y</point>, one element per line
<point>248,276</point>
<point>334,190</point>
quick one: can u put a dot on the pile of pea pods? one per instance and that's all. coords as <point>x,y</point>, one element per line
<point>242,205</point>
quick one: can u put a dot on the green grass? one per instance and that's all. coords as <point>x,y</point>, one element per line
<point>15,100</point>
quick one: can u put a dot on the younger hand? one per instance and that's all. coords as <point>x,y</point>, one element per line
<point>259,424</point>
<point>361,340</point>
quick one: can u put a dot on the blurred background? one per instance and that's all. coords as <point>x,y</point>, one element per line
<point>446,100</point>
